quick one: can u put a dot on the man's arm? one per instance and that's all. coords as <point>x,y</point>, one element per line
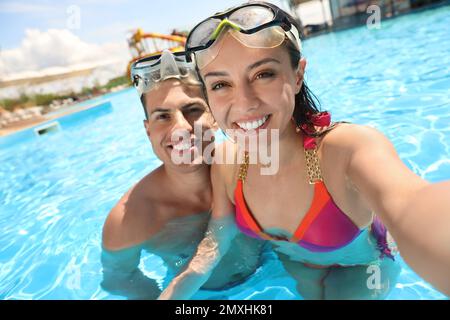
<point>120,260</point>
<point>121,275</point>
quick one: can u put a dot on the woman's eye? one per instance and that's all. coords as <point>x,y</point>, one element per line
<point>265,74</point>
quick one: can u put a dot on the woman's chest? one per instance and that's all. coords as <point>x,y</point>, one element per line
<point>283,202</point>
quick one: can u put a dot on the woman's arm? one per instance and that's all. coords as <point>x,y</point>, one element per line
<point>221,231</point>
<point>415,212</point>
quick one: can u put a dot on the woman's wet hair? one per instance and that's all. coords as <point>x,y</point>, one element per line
<point>306,103</point>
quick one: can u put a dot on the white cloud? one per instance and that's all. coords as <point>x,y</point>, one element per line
<point>57,48</point>
<point>58,51</point>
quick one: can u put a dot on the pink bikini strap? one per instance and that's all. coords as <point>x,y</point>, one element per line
<point>321,119</point>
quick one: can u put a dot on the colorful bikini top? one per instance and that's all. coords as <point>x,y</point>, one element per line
<point>324,227</point>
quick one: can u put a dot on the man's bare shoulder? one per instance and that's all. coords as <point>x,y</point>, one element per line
<point>132,220</point>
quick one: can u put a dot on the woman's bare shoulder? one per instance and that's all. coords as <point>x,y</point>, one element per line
<point>225,165</point>
<point>348,136</point>
<point>224,169</point>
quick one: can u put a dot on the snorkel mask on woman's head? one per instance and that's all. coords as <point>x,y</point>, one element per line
<point>149,71</point>
<point>255,25</point>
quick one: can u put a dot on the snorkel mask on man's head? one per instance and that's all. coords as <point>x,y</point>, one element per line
<point>256,25</point>
<point>147,72</point>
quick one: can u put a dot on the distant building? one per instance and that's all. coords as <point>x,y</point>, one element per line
<point>320,15</point>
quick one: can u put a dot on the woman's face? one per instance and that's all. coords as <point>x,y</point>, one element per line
<point>252,88</point>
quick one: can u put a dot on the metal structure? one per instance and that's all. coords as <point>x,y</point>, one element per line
<point>143,44</point>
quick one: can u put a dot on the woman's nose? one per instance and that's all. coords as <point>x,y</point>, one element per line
<point>246,99</point>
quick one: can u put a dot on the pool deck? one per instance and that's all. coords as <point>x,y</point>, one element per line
<point>64,111</point>
<point>29,123</point>
<point>22,125</point>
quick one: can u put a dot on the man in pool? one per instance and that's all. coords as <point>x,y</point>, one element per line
<point>166,213</point>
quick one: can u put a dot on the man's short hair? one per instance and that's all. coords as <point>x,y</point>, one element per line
<point>144,105</point>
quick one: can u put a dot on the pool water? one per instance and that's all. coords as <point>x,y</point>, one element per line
<point>56,190</point>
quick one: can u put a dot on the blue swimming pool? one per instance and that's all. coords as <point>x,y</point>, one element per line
<point>56,189</point>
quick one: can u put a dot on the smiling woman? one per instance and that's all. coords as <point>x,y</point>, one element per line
<point>335,194</point>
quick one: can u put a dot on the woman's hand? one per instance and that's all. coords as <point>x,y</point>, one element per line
<point>210,251</point>
<point>218,237</point>
<point>183,286</point>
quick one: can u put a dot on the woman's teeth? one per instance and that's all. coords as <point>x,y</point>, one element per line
<point>252,124</point>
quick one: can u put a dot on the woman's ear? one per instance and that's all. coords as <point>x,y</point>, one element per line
<point>300,75</point>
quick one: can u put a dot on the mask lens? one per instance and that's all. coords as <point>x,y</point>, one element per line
<point>266,38</point>
<point>263,39</point>
<point>251,16</point>
<point>205,56</point>
<point>154,76</point>
<point>202,34</point>
<point>149,61</point>
<point>149,71</point>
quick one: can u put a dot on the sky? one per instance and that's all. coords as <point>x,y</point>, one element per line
<point>35,35</point>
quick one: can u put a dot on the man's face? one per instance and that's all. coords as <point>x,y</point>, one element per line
<point>173,109</point>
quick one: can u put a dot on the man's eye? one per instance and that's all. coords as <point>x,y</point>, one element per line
<point>196,110</point>
<point>162,117</point>
<point>218,86</point>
